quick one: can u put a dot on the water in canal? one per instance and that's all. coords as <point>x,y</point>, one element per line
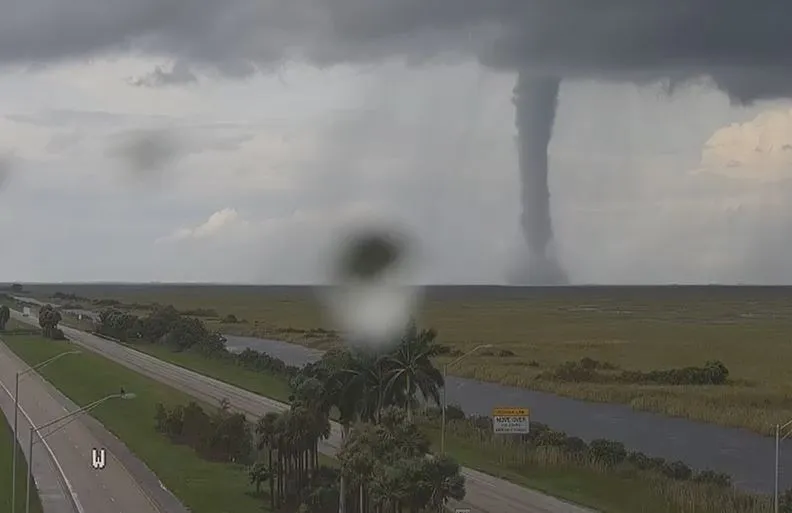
<point>746,456</point>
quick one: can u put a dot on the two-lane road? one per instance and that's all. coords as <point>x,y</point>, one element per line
<point>485,494</point>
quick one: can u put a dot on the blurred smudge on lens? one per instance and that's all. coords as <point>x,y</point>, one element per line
<point>146,153</point>
<point>370,255</point>
<point>371,299</point>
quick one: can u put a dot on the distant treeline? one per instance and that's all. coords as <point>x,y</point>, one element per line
<point>588,370</point>
<point>144,307</point>
<point>168,327</point>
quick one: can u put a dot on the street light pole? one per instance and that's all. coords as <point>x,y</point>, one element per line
<point>445,397</point>
<point>778,439</point>
<point>35,430</point>
<point>16,420</point>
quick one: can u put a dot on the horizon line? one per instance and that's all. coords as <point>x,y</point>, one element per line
<point>294,285</point>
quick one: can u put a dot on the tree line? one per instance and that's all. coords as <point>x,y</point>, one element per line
<point>384,463</point>
<point>5,316</point>
<point>588,370</point>
<point>374,397</point>
<point>49,318</point>
<point>168,327</point>
<point>165,326</point>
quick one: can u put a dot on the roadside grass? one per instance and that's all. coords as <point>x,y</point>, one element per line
<point>6,435</point>
<point>643,328</point>
<point>201,486</point>
<point>260,383</point>
<point>608,491</point>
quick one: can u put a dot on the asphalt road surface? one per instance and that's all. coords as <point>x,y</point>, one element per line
<point>485,494</point>
<point>108,490</point>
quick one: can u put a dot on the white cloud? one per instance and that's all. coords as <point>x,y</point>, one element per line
<point>297,157</point>
<point>759,149</point>
<point>223,222</point>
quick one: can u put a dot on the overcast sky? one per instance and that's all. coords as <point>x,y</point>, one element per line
<point>249,178</point>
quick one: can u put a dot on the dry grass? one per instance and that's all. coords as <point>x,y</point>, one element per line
<point>634,328</point>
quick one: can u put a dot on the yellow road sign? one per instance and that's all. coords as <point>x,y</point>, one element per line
<point>510,412</point>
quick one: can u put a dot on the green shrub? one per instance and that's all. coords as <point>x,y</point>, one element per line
<point>678,470</point>
<point>607,452</point>
<point>454,412</point>
<point>588,370</point>
<point>714,478</point>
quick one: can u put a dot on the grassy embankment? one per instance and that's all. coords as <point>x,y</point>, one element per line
<point>202,486</point>
<point>596,488</point>
<point>6,435</point>
<point>632,329</point>
<point>607,491</point>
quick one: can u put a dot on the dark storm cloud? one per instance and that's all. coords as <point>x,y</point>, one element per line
<point>742,44</point>
<point>178,74</point>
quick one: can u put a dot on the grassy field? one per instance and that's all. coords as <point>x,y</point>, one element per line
<point>190,476</point>
<point>6,436</point>
<point>633,328</point>
<point>201,486</point>
<point>260,383</point>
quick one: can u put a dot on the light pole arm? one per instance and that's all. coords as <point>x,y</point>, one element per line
<point>35,430</point>
<point>454,362</point>
<point>445,396</point>
<point>85,408</point>
<point>46,362</point>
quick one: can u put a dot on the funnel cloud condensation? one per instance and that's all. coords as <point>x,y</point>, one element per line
<point>740,46</point>
<point>535,101</point>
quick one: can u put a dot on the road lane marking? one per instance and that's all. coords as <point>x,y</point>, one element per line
<point>205,387</point>
<point>71,491</point>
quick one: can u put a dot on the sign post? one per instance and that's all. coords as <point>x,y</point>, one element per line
<point>511,421</point>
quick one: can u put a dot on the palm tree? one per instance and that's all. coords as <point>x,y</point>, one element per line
<point>342,390</point>
<point>411,369</point>
<point>358,458</point>
<point>5,316</point>
<point>284,443</point>
<point>360,386</point>
<point>266,430</point>
<point>312,403</point>
<point>390,487</point>
<point>442,481</point>
<point>258,474</point>
<point>368,382</point>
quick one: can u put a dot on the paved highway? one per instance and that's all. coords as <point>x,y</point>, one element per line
<point>49,477</point>
<point>108,490</point>
<point>485,494</point>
